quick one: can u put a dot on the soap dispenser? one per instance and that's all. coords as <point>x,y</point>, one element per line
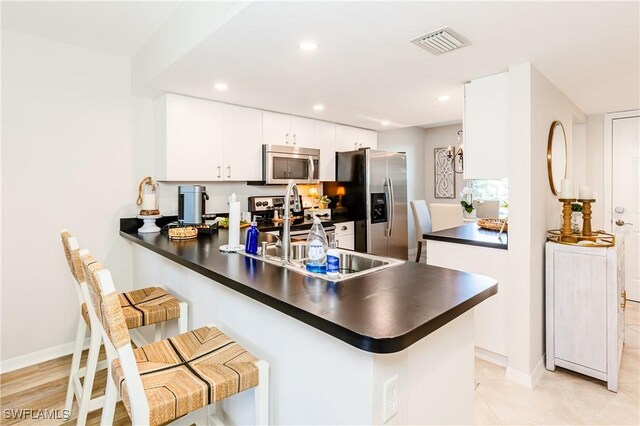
<point>251,245</point>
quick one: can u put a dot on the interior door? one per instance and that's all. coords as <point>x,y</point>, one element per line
<point>626,196</point>
<point>377,233</point>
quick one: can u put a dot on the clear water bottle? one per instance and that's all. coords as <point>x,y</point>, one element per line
<point>317,248</point>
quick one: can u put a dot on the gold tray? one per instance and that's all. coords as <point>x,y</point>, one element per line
<point>599,239</point>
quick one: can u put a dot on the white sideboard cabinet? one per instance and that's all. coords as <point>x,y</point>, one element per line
<point>585,304</point>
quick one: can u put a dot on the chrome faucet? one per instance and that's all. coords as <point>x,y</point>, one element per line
<point>286,223</point>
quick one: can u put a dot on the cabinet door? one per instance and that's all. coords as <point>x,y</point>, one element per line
<point>367,139</point>
<point>302,131</point>
<point>325,140</point>
<point>485,127</point>
<point>193,139</point>
<point>242,143</point>
<point>346,241</point>
<point>276,128</point>
<point>346,138</point>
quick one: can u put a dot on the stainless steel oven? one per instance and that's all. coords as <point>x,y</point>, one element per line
<point>284,163</point>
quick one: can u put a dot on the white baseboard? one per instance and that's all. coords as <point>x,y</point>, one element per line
<point>37,357</point>
<point>524,379</point>
<point>492,357</point>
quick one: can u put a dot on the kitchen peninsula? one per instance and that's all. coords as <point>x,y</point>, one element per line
<point>335,349</point>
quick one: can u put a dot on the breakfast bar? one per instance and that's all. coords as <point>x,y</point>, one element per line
<point>338,351</point>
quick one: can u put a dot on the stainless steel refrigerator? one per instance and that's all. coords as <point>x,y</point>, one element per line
<point>371,189</point>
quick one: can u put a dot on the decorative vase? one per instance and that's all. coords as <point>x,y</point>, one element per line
<point>467,215</point>
<point>576,219</point>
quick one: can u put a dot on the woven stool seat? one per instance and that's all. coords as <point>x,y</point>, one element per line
<point>189,371</point>
<point>146,306</point>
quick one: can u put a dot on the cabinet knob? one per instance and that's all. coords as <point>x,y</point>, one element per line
<point>219,171</point>
<point>228,171</point>
<point>286,138</point>
<point>294,138</point>
<point>344,228</point>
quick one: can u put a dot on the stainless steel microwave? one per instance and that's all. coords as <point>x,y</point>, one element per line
<point>284,163</point>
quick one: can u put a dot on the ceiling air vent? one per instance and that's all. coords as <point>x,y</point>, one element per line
<point>441,41</point>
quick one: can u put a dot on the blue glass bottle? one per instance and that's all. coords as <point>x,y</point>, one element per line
<point>251,244</point>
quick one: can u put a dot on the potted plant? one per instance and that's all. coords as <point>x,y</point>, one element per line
<point>324,201</point>
<point>468,208</point>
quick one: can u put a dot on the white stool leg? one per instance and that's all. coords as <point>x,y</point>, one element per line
<point>262,394</point>
<point>183,320</point>
<point>157,332</point>
<point>110,398</point>
<point>75,363</point>
<point>87,386</point>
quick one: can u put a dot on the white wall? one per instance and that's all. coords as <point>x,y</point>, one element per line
<point>71,132</point>
<point>411,141</point>
<point>534,103</point>
<point>595,165</point>
<point>439,137</point>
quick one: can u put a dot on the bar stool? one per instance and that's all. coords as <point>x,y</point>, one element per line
<point>167,380</point>
<point>422,220</point>
<point>147,306</point>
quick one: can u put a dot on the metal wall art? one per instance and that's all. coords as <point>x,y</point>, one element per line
<point>445,180</point>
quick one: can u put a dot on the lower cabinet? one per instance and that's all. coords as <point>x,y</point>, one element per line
<point>585,304</point>
<point>345,235</point>
<point>491,315</point>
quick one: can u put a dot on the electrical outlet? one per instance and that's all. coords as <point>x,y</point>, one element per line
<point>390,399</point>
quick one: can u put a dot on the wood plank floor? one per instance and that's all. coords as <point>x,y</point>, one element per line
<point>44,386</point>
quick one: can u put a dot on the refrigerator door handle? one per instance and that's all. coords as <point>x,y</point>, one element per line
<point>392,208</point>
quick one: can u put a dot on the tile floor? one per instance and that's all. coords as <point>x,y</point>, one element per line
<point>564,397</point>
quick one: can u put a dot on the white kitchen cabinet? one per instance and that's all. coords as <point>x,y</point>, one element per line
<point>351,138</point>
<point>283,129</point>
<point>345,235</point>
<point>276,128</point>
<point>242,143</point>
<point>302,131</point>
<point>189,137</point>
<point>325,140</point>
<point>367,139</point>
<point>485,127</point>
<point>491,315</point>
<point>585,303</point>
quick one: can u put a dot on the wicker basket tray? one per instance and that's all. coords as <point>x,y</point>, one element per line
<point>492,224</point>
<point>183,233</point>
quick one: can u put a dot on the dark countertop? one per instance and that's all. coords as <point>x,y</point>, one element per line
<point>383,312</point>
<point>470,234</point>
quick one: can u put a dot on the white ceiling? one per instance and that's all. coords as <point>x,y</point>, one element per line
<point>118,27</point>
<point>365,69</point>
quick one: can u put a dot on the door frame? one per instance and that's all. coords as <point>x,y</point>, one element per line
<point>608,163</point>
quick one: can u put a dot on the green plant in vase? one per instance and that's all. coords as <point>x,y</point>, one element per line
<point>324,201</point>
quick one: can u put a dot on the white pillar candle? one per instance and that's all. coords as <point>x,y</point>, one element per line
<point>566,189</point>
<point>148,202</point>
<point>586,193</point>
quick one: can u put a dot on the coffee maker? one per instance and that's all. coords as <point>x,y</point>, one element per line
<point>192,200</point>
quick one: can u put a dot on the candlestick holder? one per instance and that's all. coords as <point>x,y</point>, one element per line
<point>586,216</point>
<point>566,233</point>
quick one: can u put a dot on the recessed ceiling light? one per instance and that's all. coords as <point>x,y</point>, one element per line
<point>221,86</point>
<point>443,98</point>
<point>318,107</point>
<point>385,123</point>
<point>308,45</point>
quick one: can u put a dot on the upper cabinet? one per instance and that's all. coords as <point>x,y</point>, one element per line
<point>351,138</point>
<point>206,141</point>
<point>189,139</point>
<point>199,140</point>
<point>485,127</point>
<point>242,140</point>
<point>325,140</point>
<point>282,129</point>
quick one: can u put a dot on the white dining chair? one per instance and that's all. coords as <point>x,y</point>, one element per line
<point>445,216</point>
<point>422,220</point>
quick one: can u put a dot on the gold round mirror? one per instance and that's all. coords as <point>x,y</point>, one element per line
<point>556,156</point>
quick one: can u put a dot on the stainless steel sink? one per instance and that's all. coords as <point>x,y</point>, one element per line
<point>352,264</point>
